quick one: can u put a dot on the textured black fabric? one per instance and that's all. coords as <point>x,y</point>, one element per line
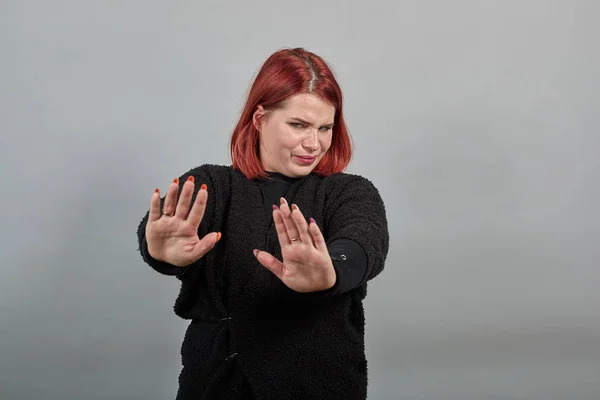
<point>349,259</point>
<point>272,189</point>
<point>246,324</point>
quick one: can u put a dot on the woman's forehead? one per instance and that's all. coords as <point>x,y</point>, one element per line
<point>309,108</point>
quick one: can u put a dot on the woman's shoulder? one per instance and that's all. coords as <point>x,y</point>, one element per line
<point>204,168</point>
<point>345,188</point>
<point>345,180</point>
<point>212,171</point>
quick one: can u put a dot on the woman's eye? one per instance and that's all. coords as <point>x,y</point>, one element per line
<point>300,125</point>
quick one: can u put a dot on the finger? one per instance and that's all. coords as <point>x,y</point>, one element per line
<point>154,213</point>
<point>317,236</point>
<point>171,198</point>
<point>270,262</point>
<point>282,234</point>
<point>301,224</point>
<point>185,198</point>
<point>197,212</point>
<point>290,225</point>
<point>206,244</point>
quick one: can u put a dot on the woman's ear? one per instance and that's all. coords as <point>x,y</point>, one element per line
<point>257,117</point>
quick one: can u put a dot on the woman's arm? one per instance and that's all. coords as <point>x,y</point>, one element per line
<point>356,229</point>
<point>356,232</point>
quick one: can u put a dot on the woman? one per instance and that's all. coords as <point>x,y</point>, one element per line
<point>275,251</point>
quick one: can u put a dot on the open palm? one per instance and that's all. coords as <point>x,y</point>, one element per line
<point>306,265</point>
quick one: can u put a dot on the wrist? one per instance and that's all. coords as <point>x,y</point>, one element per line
<point>330,279</point>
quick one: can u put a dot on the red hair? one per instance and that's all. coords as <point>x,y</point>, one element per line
<point>286,73</point>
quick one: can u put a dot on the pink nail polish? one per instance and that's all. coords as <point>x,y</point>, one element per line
<point>255,252</point>
<point>312,221</point>
<point>275,207</point>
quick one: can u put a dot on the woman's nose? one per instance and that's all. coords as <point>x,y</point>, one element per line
<point>312,142</point>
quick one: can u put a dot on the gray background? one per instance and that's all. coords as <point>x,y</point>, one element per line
<point>478,121</point>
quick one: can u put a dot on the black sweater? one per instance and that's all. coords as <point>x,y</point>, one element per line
<point>245,322</point>
<point>349,259</point>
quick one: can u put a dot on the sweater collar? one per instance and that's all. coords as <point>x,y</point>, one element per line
<point>276,176</point>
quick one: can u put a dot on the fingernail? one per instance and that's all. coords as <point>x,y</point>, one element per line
<point>295,207</point>
<point>283,201</point>
<point>203,186</point>
<point>312,221</point>
<point>255,252</point>
<point>176,180</point>
<point>156,190</point>
<point>218,236</point>
<point>275,207</point>
<point>191,178</point>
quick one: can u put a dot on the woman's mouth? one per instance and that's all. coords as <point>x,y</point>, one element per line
<point>306,159</point>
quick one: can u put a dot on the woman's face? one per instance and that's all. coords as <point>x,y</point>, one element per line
<point>294,138</point>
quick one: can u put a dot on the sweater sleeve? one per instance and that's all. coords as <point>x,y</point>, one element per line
<point>356,232</point>
<point>201,176</point>
<point>356,212</point>
<point>350,264</point>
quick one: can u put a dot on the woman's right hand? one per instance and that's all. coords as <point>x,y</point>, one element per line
<point>172,233</point>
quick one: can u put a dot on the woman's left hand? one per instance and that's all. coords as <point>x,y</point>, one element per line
<point>306,265</point>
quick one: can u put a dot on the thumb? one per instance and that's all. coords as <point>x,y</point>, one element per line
<point>206,244</point>
<point>269,262</point>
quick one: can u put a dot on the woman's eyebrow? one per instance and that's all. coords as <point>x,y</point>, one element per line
<point>308,123</point>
